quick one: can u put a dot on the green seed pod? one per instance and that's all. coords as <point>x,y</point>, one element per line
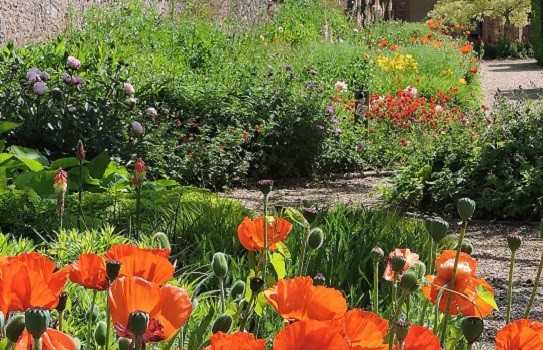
<point>437,228</point>
<point>265,186</point>
<point>472,327</point>
<point>514,241</point>
<point>15,327</point>
<point>466,247</point>
<point>401,328</point>
<point>237,289</point>
<point>138,321</point>
<point>36,321</point>
<point>93,315</point>
<point>465,207</point>
<point>418,268</point>
<point>77,343</point>
<point>222,324</point>
<point>219,264</point>
<point>161,240</point>
<point>315,239</point>
<point>319,280</point>
<point>256,284</point>
<point>100,333</point>
<point>409,282</point>
<point>377,254</point>
<point>398,263</point>
<point>113,267</point>
<point>124,343</point>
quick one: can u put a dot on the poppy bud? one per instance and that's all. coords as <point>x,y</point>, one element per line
<point>219,265</point>
<point>256,284</point>
<point>237,289</point>
<point>514,241</point>
<point>100,333</point>
<point>409,282</point>
<point>162,240</point>
<point>124,343</point>
<point>92,315</point>
<point>222,324</point>
<point>472,327</point>
<point>418,268</point>
<point>265,186</point>
<point>398,263</point>
<point>465,207</point>
<point>310,214</point>
<point>138,321</point>
<point>315,239</point>
<point>62,299</point>
<point>401,328</point>
<point>80,154</point>
<point>112,269</point>
<point>36,321</point>
<point>77,343</point>
<point>437,228</point>
<point>466,247</point>
<point>377,254</point>
<point>15,327</point>
<point>319,279</point>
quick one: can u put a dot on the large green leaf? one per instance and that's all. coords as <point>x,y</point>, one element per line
<point>278,262</point>
<point>86,178</point>
<point>113,167</point>
<point>32,158</point>
<point>98,165</point>
<point>64,163</point>
<point>6,126</point>
<point>115,182</point>
<point>39,181</point>
<point>3,180</point>
<point>485,294</point>
<point>4,157</point>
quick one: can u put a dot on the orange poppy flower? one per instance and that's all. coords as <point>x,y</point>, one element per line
<point>466,49</point>
<point>310,335</point>
<point>437,44</point>
<point>51,340</point>
<point>168,307</point>
<point>420,338</point>
<point>431,24</point>
<point>466,299</point>
<point>382,43</point>
<point>424,40</point>
<point>298,299</point>
<point>148,263</point>
<point>237,340</point>
<point>523,334</point>
<point>90,272</point>
<point>473,70</point>
<point>251,232</point>
<point>364,330</point>
<point>410,259</point>
<point>412,40</point>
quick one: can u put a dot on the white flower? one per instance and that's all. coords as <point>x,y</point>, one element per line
<point>129,89</point>
<point>438,109</point>
<point>411,90</point>
<point>341,86</point>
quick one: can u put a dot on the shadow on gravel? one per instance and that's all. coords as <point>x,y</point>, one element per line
<point>512,66</point>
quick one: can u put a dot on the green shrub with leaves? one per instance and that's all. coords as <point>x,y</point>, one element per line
<point>537,29</point>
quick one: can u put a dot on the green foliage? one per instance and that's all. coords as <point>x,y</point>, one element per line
<point>519,49</point>
<point>537,29</point>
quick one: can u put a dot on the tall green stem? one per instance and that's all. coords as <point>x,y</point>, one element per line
<point>138,209</point>
<point>265,250</point>
<point>246,313</point>
<point>223,295</point>
<point>37,344</point>
<point>510,287</point>
<point>60,320</point>
<point>108,323</point>
<point>91,314</point>
<point>375,287</point>
<point>451,283</point>
<point>534,288</point>
<point>426,302</point>
<point>79,197</point>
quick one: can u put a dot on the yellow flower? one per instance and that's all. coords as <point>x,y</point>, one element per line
<point>462,81</point>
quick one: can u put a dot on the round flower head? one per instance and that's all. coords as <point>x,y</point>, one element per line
<point>129,89</point>
<point>151,112</point>
<point>411,90</point>
<point>73,62</point>
<point>40,88</point>
<point>341,86</point>
<point>137,128</point>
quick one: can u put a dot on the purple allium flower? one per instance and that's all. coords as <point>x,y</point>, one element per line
<point>32,74</point>
<point>287,68</point>
<point>44,76</point>
<point>334,121</point>
<point>330,110</point>
<point>129,89</point>
<point>79,81</point>
<point>39,88</point>
<point>313,72</point>
<point>320,127</point>
<point>151,112</point>
<point>311,86</point>
<point>74,63</point>
<point>67,78</point>
<point>137,128</point>
<point>338,131</point>
<point>360,147</point>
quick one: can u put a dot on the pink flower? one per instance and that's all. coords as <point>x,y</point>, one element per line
<point>129,89</point>
<point>60,181</point>
<point>40,88</point>
<point>137,128</point>
<point>341,86</point>
<point>151,112</point>
<point>74,63</point>
<point>411,90</point>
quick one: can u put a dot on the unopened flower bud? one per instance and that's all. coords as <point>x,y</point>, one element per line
<point>466,246</point>
<point>92,315</point>
<point>319,279</point>
<point>151,112</point>
<point>398,263</point>
<point>465,207</point>
<point>265,186</point>
<point>514,241</point>
<point>219,265</point>
<point>472,327</point>
<point>315,239</point>
<point>377,254</point>
<point>138,321</point>
<point>401,328</point>
<point>409,282</point>
<point>124,343</point>
<point>73,62</point>
<point>113,267</point>
<point>137,128</point>
<point>418,268</point>
<point>67,78</point>
<point>237,289</point>
<point>15,327</point>
<point>310,214</point>
<point>36,321</point>
<point>256,284</point>
<point>222,324</point>
<point>437,228</point>
<point>161,240</point>
<point>62,300</point>
<point>100,333</point>
<point>80,154</point>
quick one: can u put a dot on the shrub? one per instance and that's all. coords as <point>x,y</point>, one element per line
<point>537,29</point>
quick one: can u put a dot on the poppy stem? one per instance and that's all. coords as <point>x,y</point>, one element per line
<point>37,344</point>
<point>9,345</point>
<point>451,283</point>
<point>90,318</point>
<point>79,196</point>
<point>246,314</point>
<point>534,288</point>
<point>375,287</point>
<point>223,296</point>
<point>108,322</point>
<point>430,271</point>
<point>138,209</point>
<point>265,250</point>
<point>510,287</point>
<point>60,319</point>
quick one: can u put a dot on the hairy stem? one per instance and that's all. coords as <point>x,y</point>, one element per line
<point>534,288</point>
<point>510,287</point>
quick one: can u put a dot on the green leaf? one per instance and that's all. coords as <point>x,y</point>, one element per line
<point>283,249</point>
<point>4,157</point>
<point>278,262</point>
<point>3,179</point>
<point>40,181</point>
<point>166,183</point>
<point>248,291</point>
<point>6,126</point>
<point>32,164</point>
<point>113,167</point>
<point>27,153</point>
<point>115,182</point>
<point>197,335</point>
<point>64,163</point>
<point>99,165</point>
<point>86,178</point>
<point>296,216</point>
<point>486,296</point>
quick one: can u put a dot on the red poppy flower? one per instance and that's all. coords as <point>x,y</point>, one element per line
<point>251,232</point>
<point>310,335</point>
<point>51,340</point>
<point>298,299</point>
<point>364,330</point>
<point>473,70</point>
<point>168,307</point>
<point>149,263</point>
<point>521,334</point>
<point>466,49</point>
<point>90,272</point>
<point>237,340</point>
<point>420,338</point>
<point>382,43</point>
<point>465,300</point>
<point>410,259</point>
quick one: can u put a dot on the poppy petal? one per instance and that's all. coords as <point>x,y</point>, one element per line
<point>310,335</point>
<point>237,340</point>
<point>56,340</point>
<point>173,309</point>
<point>90,272</point>
<point>152,268</point>
<point>420,338</point>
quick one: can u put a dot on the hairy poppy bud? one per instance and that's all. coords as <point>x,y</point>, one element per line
<point>315,239</point>
<point>237,289</point>
<point>401,328</point>
<point>112,269</point>
<point>80,154</point>
<point>310,214</point>
<point>36,321</point>
<point>465,207</point>
<point>409,282</point>
<point>256,284</point>
<point>265,186</point>
<point>466,247</point>
<point>222,324</point>
<point>2,323</point>
<point>77,343</point>
<point>398,263</point>
<point>418,268</point>
<point>472,327</point>
<point>92,315</point>
<point>377,254</point>
<point>100,333</point>
<point>514,241</point>
<point>437,228</point>
<point>62,299</point>
<point>319,279</point>
<point>219,265</point>
<point>15,327</point>
<point>124,343</point>
<point>162,240</point>
<point>138,321</point>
